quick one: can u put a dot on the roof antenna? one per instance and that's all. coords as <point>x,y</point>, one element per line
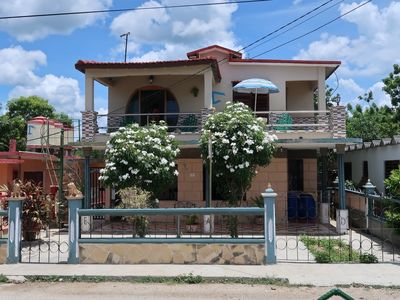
<point>126,41</point>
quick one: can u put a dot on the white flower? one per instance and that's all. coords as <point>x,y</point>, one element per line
<point>163,161</point>
<point>226,157</point>
<point>172,164</point>
<point>176,173</point>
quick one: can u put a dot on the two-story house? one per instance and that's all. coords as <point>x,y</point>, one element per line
<point>184,93</point>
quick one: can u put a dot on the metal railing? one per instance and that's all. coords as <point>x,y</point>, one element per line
<point>305,120</point>
<point>191,122</point>
<point>172,225</point>
<point>178,122</point>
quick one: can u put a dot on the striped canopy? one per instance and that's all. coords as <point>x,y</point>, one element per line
<point>256,86</point>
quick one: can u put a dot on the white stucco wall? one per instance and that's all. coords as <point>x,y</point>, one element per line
<point>279,75</point>
<point>121,92</point>
<point>376,158</point>
<point>299,95</point>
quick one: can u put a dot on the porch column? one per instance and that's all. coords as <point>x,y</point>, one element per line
<point>14,229</point>
<point>89,93</point>
<point>87,152</point>
<point>208,89</point>
<point>74,203</point>
<point>342,220</point>
<point>269,225</point>
<point>324,208</point>
<point>321,89</point>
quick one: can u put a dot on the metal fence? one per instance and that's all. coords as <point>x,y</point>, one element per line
<point>174,225</point>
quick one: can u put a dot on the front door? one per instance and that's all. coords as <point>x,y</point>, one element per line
<point>152,106</point>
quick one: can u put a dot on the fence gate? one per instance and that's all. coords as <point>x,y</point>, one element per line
<point>44,231</point>
<point>97,190</point>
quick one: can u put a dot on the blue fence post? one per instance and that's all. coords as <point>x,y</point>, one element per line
<point>14,229</point>
<point>369,189</point>
<point>74,203</point>
<point>269,225</point>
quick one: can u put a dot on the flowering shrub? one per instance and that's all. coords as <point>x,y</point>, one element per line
<point>240,143</point>
<point>133,197</point>
<point>143,157</point>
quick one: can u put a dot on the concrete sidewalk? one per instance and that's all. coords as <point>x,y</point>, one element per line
<point>296,273</point>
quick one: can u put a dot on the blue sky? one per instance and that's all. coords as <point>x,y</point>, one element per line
<point>37,55</point>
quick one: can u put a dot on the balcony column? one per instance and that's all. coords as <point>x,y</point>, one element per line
<point>208,77</point>
<point>342,214</point>
<point>321,89</point>
<point>89,93</point>
<point>324,208</point>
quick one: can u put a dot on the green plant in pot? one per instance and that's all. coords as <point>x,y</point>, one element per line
<point>34,211</point>
<point>192,223</point>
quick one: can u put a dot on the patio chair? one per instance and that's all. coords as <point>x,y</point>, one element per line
<point>188,123</point>
<point>284,119</point>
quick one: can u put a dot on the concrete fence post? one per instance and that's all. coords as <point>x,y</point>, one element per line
<point>269,225</point>
<point>14,229</point>
<point>74,203</point>
<point>369,189</point>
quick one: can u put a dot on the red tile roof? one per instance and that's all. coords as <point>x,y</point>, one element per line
<point>205,49</point>
<point>82,65</point>
<point>287,61</point>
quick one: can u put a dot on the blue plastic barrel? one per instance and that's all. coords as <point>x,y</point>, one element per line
<point>307,209</point>
<point>292,206</point>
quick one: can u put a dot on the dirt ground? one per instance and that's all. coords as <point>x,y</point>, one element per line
<point>115,290</point>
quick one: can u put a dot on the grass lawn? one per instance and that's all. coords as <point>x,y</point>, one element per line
<point>335,251</point>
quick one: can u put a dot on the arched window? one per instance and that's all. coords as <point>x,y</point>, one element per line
<point>152,105</point>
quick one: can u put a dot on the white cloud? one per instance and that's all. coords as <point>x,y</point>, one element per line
<point>172,33</point>
<point>17,65</point>
<point>380,97</point>
<point>371,53</point>
<point>62,92</point>
<point>18,69</point>
<point>297,2</point>
<point>30,29</point>
<point>351,86</point>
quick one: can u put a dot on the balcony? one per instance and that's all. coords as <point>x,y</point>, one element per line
<point>187,125</point>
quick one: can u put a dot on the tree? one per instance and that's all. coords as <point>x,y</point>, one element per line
<point>372,122</point>
<point>392,88</point>
<point>20,110</point>
<point>330,98</point>
<point>30,107</point>
<point>240,143</point>
<point>141,157</point>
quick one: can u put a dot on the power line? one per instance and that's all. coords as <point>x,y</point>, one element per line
<point>131,9</point>
<point>313,30</point>
<point>224,60</point>
<point>295,26</point>
<point>286,25</point>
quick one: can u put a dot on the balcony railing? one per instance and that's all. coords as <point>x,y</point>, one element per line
<point>333,121</point>
<point>187,122</point>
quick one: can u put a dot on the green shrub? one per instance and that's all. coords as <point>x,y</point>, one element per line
<point>368,258</point>
<point>393,220</point>
<point>392,183</point>
<point>323,257</point>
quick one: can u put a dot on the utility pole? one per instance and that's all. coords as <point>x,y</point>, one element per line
<point>126,42</point>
